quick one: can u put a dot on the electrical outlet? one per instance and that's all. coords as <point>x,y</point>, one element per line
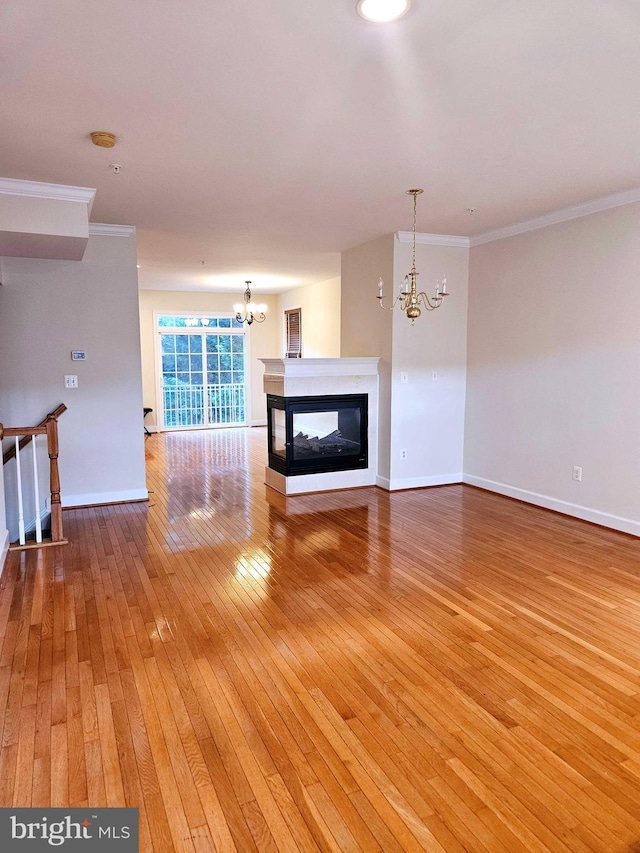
<point>403,454</point>
<point>577,474</point>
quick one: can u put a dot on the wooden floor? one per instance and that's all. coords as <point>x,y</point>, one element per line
<point>440,669</point>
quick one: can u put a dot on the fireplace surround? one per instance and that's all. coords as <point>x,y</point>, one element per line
<point>322,423</point>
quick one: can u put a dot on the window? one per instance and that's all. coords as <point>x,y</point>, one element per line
<point>184,321</point>
<point>202,371</point>
<point>293,326</point>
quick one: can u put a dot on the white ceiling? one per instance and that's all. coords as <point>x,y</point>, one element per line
<point>263,138</point>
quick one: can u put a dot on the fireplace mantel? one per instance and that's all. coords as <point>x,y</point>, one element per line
<point>320,366</point>
<point>314,377</point>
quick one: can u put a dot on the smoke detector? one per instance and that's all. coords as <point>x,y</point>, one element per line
<point>103,139</point>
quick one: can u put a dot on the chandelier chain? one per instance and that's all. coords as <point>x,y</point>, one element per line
<point>415,208</point>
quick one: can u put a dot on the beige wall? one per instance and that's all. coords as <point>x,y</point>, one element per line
<point>553,367</point>
<point>262,340</point>
<point>49,308</point>
<point>320,307</point>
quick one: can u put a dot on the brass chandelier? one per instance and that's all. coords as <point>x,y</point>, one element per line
<point>249,312</point>
<point>409,300</point>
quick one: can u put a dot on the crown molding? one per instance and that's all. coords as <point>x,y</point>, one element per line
<point>37,189</point>
<point>103,229</point>
<point>565,215</point>
<point>434,239</point>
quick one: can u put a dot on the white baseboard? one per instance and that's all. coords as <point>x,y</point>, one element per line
<point>97,498</point>
<point>322,481</point>
<point>625,525</point>
<point>45,512</point>
<point>396,484</point>
<point>155,428</point>
<point>4,548</point>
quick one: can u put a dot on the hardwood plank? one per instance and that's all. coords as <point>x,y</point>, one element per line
<point>96,790</point>
<point>111,767</point>
<point>75,747</point>
<point>59,765</point>
<point>25,756</point>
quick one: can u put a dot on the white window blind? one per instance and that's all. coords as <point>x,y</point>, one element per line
<point>293,322</point>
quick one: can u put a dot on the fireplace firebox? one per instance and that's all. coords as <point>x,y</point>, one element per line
<point>309,435</point>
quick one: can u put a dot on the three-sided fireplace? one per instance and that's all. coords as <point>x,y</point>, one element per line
<point>308,435</point>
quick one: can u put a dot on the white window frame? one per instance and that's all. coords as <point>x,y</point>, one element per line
<point>157,337</point>
<point>285,341</point>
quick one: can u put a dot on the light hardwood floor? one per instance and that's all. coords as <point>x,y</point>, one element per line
<point>441,669</point>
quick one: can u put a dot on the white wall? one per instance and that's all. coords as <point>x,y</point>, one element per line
<point>320,307</point>
<point>262,340</point>
<point>554,367</point>
<point>427,414</point>
<point>37,227</point>
<point>4,532</point>
<point>423,417</point>
<point>366,330</point>
<point>47,309</point>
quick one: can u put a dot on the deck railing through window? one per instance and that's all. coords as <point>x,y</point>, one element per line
<point>184,406</point>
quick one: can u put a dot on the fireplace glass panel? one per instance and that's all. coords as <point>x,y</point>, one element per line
<point>279,433</point>
<point>317,434</point>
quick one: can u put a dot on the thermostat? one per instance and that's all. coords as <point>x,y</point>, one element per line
<point>78,355</point>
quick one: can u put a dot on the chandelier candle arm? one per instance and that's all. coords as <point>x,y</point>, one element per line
<point>409,299</point>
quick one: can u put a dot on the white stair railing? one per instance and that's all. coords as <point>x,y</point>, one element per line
<point>36,492</point>
<point>23,436</point>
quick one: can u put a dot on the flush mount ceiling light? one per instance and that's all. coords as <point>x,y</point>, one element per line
<point>381,11</point>
<point>103,138</point>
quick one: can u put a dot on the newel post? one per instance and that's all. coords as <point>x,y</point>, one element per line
<point>54,479</point>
